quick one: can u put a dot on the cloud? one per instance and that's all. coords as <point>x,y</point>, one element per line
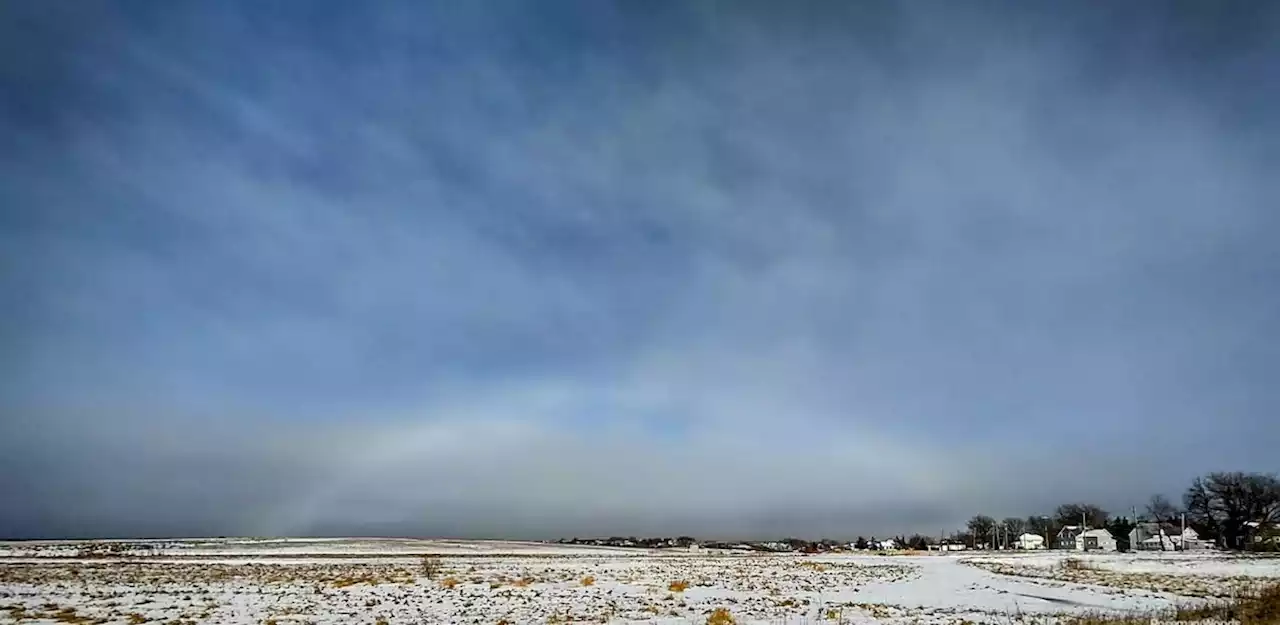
<point>737,273</point>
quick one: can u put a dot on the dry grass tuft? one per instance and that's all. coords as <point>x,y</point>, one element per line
<point>588,581</point>
<point>352,581</point>
<point>720,616</point>
<point>1259,608</point>
<point>678,586</point>
<point>68,615</point>
<point>431,567</point>
<point>878,611</point>
<point>1076,564</point>
<point>449,582</point>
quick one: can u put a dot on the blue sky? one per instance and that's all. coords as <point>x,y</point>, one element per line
<point>539,269</point>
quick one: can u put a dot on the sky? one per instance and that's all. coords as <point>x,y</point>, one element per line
<point>543,269</point>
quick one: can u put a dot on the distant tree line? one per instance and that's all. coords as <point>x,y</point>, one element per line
<point>1235,510</point>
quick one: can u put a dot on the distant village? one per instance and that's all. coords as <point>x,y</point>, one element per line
<point>787,545</point>
<point>1229,511</point>
<point>1145,535</point>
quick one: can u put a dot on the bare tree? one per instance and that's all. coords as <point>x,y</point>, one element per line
<point>1074,513</point>
<point>1223,504</point>
<point>1163,512</point>
<point>1040,525</point>
<point>1014,527</point>
<point>981,527</point>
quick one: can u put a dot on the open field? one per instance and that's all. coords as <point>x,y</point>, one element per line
<point>381,581</point>
<point>1207,574</point>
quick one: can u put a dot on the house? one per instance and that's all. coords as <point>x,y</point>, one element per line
<point>1190,540</point>
<point>1153,543</point>
<point>1095,540</point>
<point>1262,533</point>
<point>948,545</point>
<point>1148,536</point>
<point>1066,538</point>
<point>1030,541</point>
<point>887,545</point>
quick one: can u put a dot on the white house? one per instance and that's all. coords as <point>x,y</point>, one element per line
<point>1031,541</point>
<point>1190,540</point>
<point>1149,536</point>
<point>1095,540</point>
<point>1153,543</point>
<point>887,545</point>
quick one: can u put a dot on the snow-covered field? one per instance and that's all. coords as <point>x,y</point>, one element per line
<point>278,547</point>
<point>1201,563</point>
<point>1188,574</point>
<point>379,581</point>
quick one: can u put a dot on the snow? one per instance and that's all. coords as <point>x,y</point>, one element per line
<point>1201,563</point>
<point>1193,574</point>
<point>324,582</point>
<point>277,547</point>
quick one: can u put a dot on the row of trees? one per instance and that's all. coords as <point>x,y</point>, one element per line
<point>986,530</point>
<point>1235,510</point>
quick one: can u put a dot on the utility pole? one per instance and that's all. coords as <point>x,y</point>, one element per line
<point>1137,534</point>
